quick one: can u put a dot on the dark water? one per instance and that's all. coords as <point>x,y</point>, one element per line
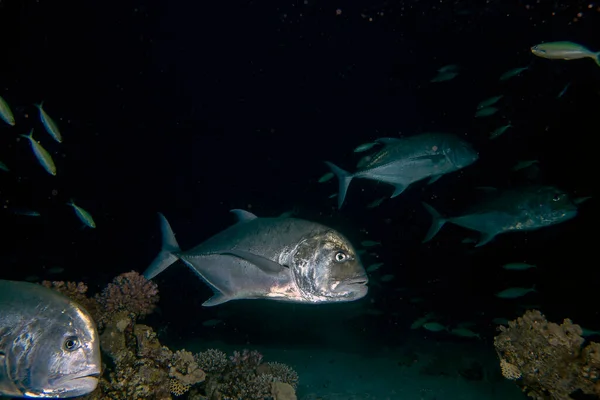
<point>195,108</point>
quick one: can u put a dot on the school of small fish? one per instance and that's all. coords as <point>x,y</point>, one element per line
<point>402,162</point>
<point>42,155</point>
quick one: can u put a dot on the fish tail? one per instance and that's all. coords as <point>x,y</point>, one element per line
<point>344,179</point>
<point>165,258</point>
<point>29,136</point>
<point>597,58</point>
<point>436,224</point>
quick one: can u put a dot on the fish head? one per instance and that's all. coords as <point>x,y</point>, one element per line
<point>63,356</point>
<point>555,205</point>
<point>458,152</point>
<point>538,50</point>
<point>327,269</point>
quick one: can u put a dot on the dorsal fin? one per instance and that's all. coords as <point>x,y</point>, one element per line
<point>243,215</point>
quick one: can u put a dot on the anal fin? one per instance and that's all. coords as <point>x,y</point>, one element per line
<point>485,238</point>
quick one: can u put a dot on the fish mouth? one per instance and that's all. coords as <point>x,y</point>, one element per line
<point>86,376</point>
<point>363,280</point>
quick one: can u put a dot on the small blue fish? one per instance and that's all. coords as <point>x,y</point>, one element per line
<point>515,292</point>
<point>513,72</point>
<point>365,147</point>
<point>486,112</point>
<point>49,123</point>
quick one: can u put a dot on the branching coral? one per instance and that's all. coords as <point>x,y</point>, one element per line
<point>212,360</point>
<point>547,359</point>
<point>280,372</point>
<point>245,378</point>
<point>129,292</point>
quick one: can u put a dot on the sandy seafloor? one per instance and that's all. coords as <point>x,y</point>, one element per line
<point>389,374</point>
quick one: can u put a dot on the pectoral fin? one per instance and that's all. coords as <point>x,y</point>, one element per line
<point>485,238</point>
<point>434,179</point>
<point>266,265</point>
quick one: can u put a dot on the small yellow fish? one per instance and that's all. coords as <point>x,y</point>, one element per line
<point>44,158</point>
<point>83,215</point>
<point>5,113</point>
<point>49,123</point>
<point>564,51</point>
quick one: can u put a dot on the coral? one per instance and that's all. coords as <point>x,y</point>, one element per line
<point>129,292</point>
<point>282,391</point>
<point>212,360</point>
<point>184,372</point>
<point>546,359</point>
<point>137,366</point>
<point>509,371</point>
<point>281,372</point>
<point>245,378</point>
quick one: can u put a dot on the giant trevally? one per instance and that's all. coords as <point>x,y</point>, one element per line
<point>408,160</point>
<point>49,346</point>
<point>284,259</point>
<point>524,209</point>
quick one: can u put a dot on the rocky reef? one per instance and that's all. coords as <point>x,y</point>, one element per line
<point>547,360</point>
<point>136,366</point>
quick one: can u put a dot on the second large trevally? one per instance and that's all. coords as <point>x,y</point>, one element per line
<point>523,209</point>
<point>402,162</point>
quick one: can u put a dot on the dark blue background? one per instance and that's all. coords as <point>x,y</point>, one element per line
<point>195,108</point>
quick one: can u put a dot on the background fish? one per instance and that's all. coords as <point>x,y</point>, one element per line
<point>408,160</point>
<point>284,259</point>
<point>523,209</point>
<point>49,345</point>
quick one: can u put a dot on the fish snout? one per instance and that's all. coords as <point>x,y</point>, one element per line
<point>362,280</point>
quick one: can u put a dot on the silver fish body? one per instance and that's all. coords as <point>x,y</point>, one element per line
<point>524,209</point>
<point>49,346</point>
<point>283,259</point>
<point>405,161</point>
<point>564,51</point>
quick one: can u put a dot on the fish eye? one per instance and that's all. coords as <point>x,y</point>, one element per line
<point>71,343</point>
<point>557,197</point>
<point>340,256</point>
